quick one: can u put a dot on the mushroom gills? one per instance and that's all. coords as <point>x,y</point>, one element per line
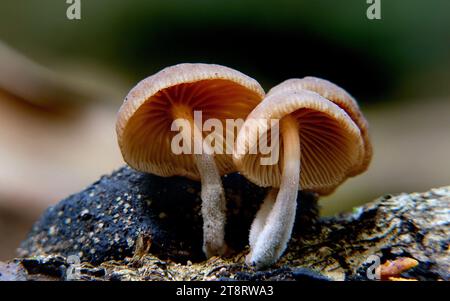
<point>212,193</point>
<point>271,231</point>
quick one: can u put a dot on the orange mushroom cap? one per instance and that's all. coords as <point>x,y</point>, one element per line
<point>144,120</point>
<point>331,143</point>
<point>340,97</point>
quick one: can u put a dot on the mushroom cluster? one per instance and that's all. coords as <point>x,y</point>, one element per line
<point>323,140</point>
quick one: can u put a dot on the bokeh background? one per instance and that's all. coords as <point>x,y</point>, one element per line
<point>61,83</point>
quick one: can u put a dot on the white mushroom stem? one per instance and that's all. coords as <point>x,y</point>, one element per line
<point>273,239</point>
<point>212,193</point>
<point>260,219</point>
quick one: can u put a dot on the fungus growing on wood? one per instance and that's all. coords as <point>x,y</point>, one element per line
<point>166,101</point>
<point>320,146</point>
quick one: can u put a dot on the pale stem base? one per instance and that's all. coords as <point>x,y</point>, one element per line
<point>276,232</point>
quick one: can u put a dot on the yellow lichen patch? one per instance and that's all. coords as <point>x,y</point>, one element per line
<point>393,268</point>
<point>401,279</point>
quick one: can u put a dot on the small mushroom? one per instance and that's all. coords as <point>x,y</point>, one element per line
<point>167,100</point>
<point>320,146</point>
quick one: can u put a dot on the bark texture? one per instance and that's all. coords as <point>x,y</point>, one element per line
<point>135,226</point>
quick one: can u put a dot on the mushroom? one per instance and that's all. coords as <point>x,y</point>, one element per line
<point>320,146</point>
<point>165,102</point>
<point>340,97</point>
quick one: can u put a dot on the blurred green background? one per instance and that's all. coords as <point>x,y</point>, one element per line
<point>62,81</point>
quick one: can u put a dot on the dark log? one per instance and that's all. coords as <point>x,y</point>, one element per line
<point>132,225</point>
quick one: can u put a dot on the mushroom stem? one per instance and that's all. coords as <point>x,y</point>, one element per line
<point>212,193</point>
<point>261,216</point>
<point>273,239</point>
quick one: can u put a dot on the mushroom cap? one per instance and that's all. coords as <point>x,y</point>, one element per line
<point>331,143</point>
<point>144,120</point>
<point>340,97</point>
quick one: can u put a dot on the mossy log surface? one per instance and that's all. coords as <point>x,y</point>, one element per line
<point>136,226</point>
